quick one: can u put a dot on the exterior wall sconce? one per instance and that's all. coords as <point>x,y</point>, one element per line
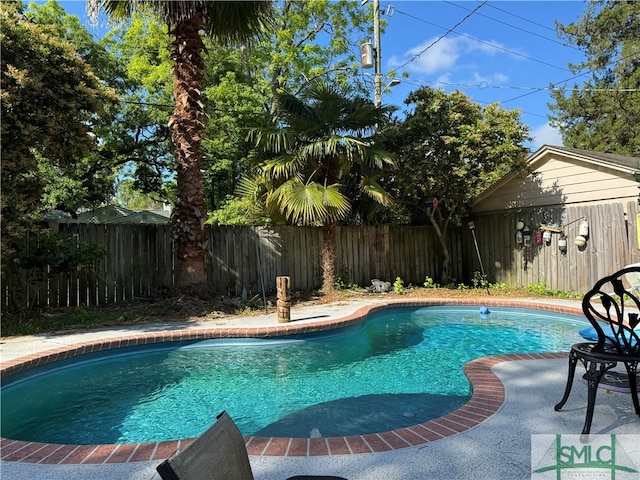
<point>562,244</point>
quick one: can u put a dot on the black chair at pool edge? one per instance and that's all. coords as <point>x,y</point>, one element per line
<point>613,312</point>
<point>218,454</point>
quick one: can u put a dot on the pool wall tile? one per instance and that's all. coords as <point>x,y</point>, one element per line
<point>487,397</point>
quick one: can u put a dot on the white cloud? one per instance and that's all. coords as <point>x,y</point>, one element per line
<point>493,47</point>
<point>545,135</point>
<point>444,54</point>
<point>439,56</point>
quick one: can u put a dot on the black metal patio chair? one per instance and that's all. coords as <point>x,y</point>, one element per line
<point>218,454</point>
<point>612,309</point>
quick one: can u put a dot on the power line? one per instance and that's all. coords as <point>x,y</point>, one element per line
<point>422,84</point>
<point>415,57</point>
<point>448,31</point>
<point>491,5</point>
<point>513,26</point>
<point>486,85</point>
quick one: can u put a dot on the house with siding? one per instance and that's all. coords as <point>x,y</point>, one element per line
<point>564,177</point>
<point>562,189</point>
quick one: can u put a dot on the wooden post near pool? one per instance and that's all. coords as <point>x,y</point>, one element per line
<point>284,300</point>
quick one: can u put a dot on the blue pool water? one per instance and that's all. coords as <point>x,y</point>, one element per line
<point>401,367</point>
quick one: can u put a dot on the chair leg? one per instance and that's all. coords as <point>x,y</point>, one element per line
<point>593,376</point>
<point>573,360</point>
<point>632,370</point>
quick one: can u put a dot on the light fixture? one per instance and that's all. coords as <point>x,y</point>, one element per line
<point>393,83</point>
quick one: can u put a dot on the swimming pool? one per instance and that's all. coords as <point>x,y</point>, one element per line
<point>396,361</point>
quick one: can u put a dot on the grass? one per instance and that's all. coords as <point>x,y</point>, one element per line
<point>185,308</point>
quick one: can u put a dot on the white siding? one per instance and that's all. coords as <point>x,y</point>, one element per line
<point>559,180</point>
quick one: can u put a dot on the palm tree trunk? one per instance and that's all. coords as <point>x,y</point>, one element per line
<point>329,233</point>
<point>187,126</point>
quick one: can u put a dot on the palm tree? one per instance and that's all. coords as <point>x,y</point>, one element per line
<point>227,22</point>
<point>321,147</point>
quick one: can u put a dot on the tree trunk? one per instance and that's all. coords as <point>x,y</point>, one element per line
<point>329,258</point>
<point>187,126</point>
<point>445,278</point>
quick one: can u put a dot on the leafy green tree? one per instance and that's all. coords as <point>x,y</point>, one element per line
<point>226,22</point>
<point>132,133</point>
<point>603,114</point>
<point>451,149</point>
<point>321,144</point>
<point>312,40</point>
<point>138,138</point>
<point>236,106</point>
<point>50,98</point>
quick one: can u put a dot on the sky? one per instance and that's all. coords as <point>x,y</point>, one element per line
<point>494,51</point>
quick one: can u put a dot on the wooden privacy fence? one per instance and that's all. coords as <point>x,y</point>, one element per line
<point>241,260</point>
<point>140,258</point>
<point>245,257</point>
<point>612,244</point>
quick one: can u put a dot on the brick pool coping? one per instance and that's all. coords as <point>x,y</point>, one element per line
<point>487,398</point>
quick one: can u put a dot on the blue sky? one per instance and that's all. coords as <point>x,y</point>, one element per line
<point>494,51</point>
<point>505,51</point>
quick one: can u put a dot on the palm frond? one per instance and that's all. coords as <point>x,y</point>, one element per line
<point>272,140</point>
<point>283,167</point>
<point>227,22</point>
<point>311,203</point>
<point>373,190</point>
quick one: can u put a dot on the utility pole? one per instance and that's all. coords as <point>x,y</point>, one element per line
<point>378,54</point>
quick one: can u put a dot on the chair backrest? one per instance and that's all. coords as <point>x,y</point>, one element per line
<point>609,301</point>
<point>218,454</point>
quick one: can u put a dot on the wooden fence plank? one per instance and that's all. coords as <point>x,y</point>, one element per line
<point>141,258</point>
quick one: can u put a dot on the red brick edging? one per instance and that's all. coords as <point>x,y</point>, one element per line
<point>487,398</point>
